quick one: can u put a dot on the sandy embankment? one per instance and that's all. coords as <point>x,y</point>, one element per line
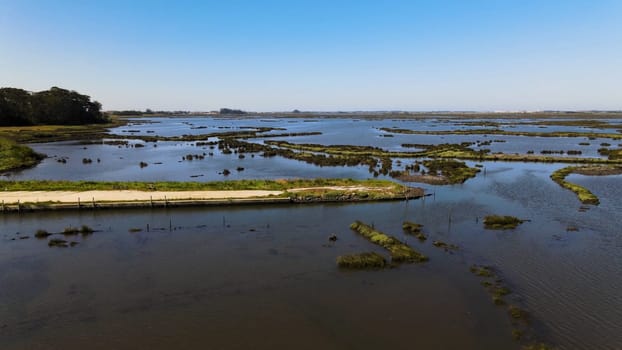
<point>12,197</point>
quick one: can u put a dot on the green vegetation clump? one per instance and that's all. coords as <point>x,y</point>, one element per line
<point>584,195</point>
<point>86,230</point>
<point>14,156</point>
<point>454,171</point>
<point>482,271</point>
<point>612,136</point>
<point>57,243</point>
<point>41,234</point>
<point>495,287</point>
<point>612,154</point>
<point>70,231</point>
<point>517,313</point>
<point>400,252</point>
<point>414,229</point>
<point>445,246</point>
<point>500,291</point>
<point>362,261</point>
<point>497,222</point>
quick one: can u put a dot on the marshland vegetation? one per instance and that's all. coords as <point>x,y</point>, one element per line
<point>612,136</point>
<point>365,260</point>
<point>584,195</point>
<point>501,222</point>
<point>399,251</point>
<point>414,229</point>
<point>260,184</point>
<point>14,156</point>
<point>498,291</point>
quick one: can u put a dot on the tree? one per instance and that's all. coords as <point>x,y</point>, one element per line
<point>54,106</point>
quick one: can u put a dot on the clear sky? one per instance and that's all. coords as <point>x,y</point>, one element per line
<point>319,55</point>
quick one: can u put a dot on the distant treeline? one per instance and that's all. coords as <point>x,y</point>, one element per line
<point>231,111</point>
<point>54,106</point>
<point>147,111</point>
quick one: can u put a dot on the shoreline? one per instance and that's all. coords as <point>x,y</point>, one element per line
<point>18,201</point>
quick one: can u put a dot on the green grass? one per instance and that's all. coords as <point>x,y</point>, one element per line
<point>362,261</point>
<point>584,195</point>
<point>448,151</point>
<point>414,229</point>
<point>14,156</point>
<point>400,252</point>
<point>52,133</point>
<point>276,185</point>
<point>497,222</point>
<point>444,245</point>
<point>482,271</point>
<point>505,132</point>
<point>517,313</point>
<point>454,171</point>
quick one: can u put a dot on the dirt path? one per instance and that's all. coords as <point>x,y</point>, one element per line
<point>12,197</point>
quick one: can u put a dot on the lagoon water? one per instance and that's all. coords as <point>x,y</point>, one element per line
<point>265,277</point>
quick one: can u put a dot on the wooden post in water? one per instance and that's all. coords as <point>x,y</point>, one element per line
<point>170,225</point>
<point>93,198</point>
<point>78,203</point>
<point>18,206</point>
<point>3,205</point>
<point>150,201</point>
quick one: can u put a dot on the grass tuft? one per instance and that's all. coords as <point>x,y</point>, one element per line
<point>400,252</point>
<point>497,222</point>
<point>362,261</point>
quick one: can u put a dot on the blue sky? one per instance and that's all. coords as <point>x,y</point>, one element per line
<point>319,55</point>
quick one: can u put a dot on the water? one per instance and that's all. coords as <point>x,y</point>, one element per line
<point>265,277</point>
<point>164,159</point>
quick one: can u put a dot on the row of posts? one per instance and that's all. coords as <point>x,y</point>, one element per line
<point>3,208</point>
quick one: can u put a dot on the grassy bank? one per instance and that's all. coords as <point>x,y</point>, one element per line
<point>14,156</point>
<point>52,133</point>
<point>584,195</point>
<point>282,185</point>
<point>455,151</point>
<point>506,133</point>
